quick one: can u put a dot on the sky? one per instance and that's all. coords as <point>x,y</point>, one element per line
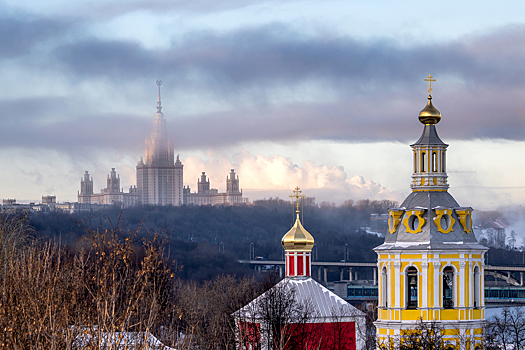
<point>318,94</point>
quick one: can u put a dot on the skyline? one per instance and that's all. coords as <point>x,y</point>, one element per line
<point>321,95</point>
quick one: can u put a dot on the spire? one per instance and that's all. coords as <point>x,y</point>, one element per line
<point>159,107</point>
<point>298,244</point>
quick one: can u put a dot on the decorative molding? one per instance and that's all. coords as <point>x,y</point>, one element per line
<point>465,218</point>
<point>447,214</point>
<point>394,218</point>
<point>409,218</point>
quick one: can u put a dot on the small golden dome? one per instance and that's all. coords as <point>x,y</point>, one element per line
<point>429,114</point>
<point>298,239</point>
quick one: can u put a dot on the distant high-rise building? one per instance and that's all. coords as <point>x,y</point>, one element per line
<point>86,189</point>
<point>112,194</point>
<point>206,195</point>
<point>159,175</point>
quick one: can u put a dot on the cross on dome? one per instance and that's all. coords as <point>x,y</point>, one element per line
<point>430,80</point>
<point>297,194</point>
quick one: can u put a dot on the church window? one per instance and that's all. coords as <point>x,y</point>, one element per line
<point>422,162</point>
<point>411,286</point>
<point>415,162</point>
<point>413,221</point>
<point>476,287</point>
<point>448,287</point>
<point>434,162</point>
<point>442,161</point>
<point>384,288</point>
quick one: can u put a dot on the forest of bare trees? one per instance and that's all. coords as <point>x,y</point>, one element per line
<point>118,286</point>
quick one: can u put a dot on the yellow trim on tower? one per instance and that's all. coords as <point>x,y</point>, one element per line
<point>421,220</point>
<point>437,220</point>
<point>394,217</point>
<point>465,219</point>
<point>429,190</point>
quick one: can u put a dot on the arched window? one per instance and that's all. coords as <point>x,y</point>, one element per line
<point>448,287</point>
<point>411,285</point>
<point>476,287</point>
<point>443,161</point>
<point>434,162</point>
<point>384,288</point>
<point>422,162</point>
<point>415,162</point>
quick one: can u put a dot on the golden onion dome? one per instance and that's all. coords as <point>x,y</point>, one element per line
<point>429,114</point>
<point>298,239</point>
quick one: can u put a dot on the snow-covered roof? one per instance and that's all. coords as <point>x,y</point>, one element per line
<point>323,302</point>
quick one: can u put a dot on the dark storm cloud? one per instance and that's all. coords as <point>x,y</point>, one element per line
<point>20,34</point>
<point>377,87</point>
<point>274,54</point>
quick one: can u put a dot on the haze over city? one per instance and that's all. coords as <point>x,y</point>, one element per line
<point>324,95</point>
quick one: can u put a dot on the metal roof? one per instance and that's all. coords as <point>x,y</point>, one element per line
<point>322,302</point>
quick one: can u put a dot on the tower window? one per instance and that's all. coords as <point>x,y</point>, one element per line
<point>415,162</point>
<point>476,287</point>
<point>448,287</point>
<point>384,288</point>
<point>434,162</point>
<point>442,161</point>
<point>422,162</point>
<point>411,288</point>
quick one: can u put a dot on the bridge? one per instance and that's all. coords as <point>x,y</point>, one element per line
<point>357,281</point>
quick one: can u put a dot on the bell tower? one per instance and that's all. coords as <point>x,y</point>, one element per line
<point>431,267</point>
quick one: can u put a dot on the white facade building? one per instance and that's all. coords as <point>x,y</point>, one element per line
<point>159,175</point>
<point>112,194</point>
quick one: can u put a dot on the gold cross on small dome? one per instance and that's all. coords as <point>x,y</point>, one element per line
<point>297,194</point>
<point>430,80</point>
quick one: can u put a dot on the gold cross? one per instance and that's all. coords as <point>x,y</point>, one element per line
<point>430,80</point>
<point>296,194</point>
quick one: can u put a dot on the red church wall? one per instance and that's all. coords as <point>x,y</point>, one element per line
<point>250,334</point>
<point>309,336</point>
<point>291,266</point>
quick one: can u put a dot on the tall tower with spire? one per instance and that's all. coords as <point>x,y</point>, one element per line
<point>431,265</point>
<point>159,174</point>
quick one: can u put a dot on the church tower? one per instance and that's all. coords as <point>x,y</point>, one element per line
<point>298,244</point>
<point>159,175</point>
<point>431,267</point>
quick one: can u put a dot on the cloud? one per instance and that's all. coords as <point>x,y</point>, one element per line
<point>269,176</point>
<point>268,83</point>
<point>19,34</point>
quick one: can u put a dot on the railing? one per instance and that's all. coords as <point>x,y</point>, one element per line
<point>501,293</point>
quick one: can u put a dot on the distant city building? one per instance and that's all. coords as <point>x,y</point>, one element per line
<point>379,223</point>
<point>159,178</point>
<point>211,196</point>
<point>159,175</point>
<point>112,194</point>
<point>9,201</point>
<point>49,199</point>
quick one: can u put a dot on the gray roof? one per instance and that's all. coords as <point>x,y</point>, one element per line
<point>429,137</point>
<point>430,238</point>
<point>323,302</point>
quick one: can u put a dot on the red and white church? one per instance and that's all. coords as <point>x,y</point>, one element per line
<point>298,312</point>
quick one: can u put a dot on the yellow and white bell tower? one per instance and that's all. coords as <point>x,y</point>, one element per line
<point>431,265</point>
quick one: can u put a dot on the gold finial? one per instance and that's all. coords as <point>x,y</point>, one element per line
<point>429,115</point>
<point>297,194</point>
<point>430,80</point>
<point>297,239</point>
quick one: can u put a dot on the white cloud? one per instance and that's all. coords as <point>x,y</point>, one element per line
<point>274,175</point>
